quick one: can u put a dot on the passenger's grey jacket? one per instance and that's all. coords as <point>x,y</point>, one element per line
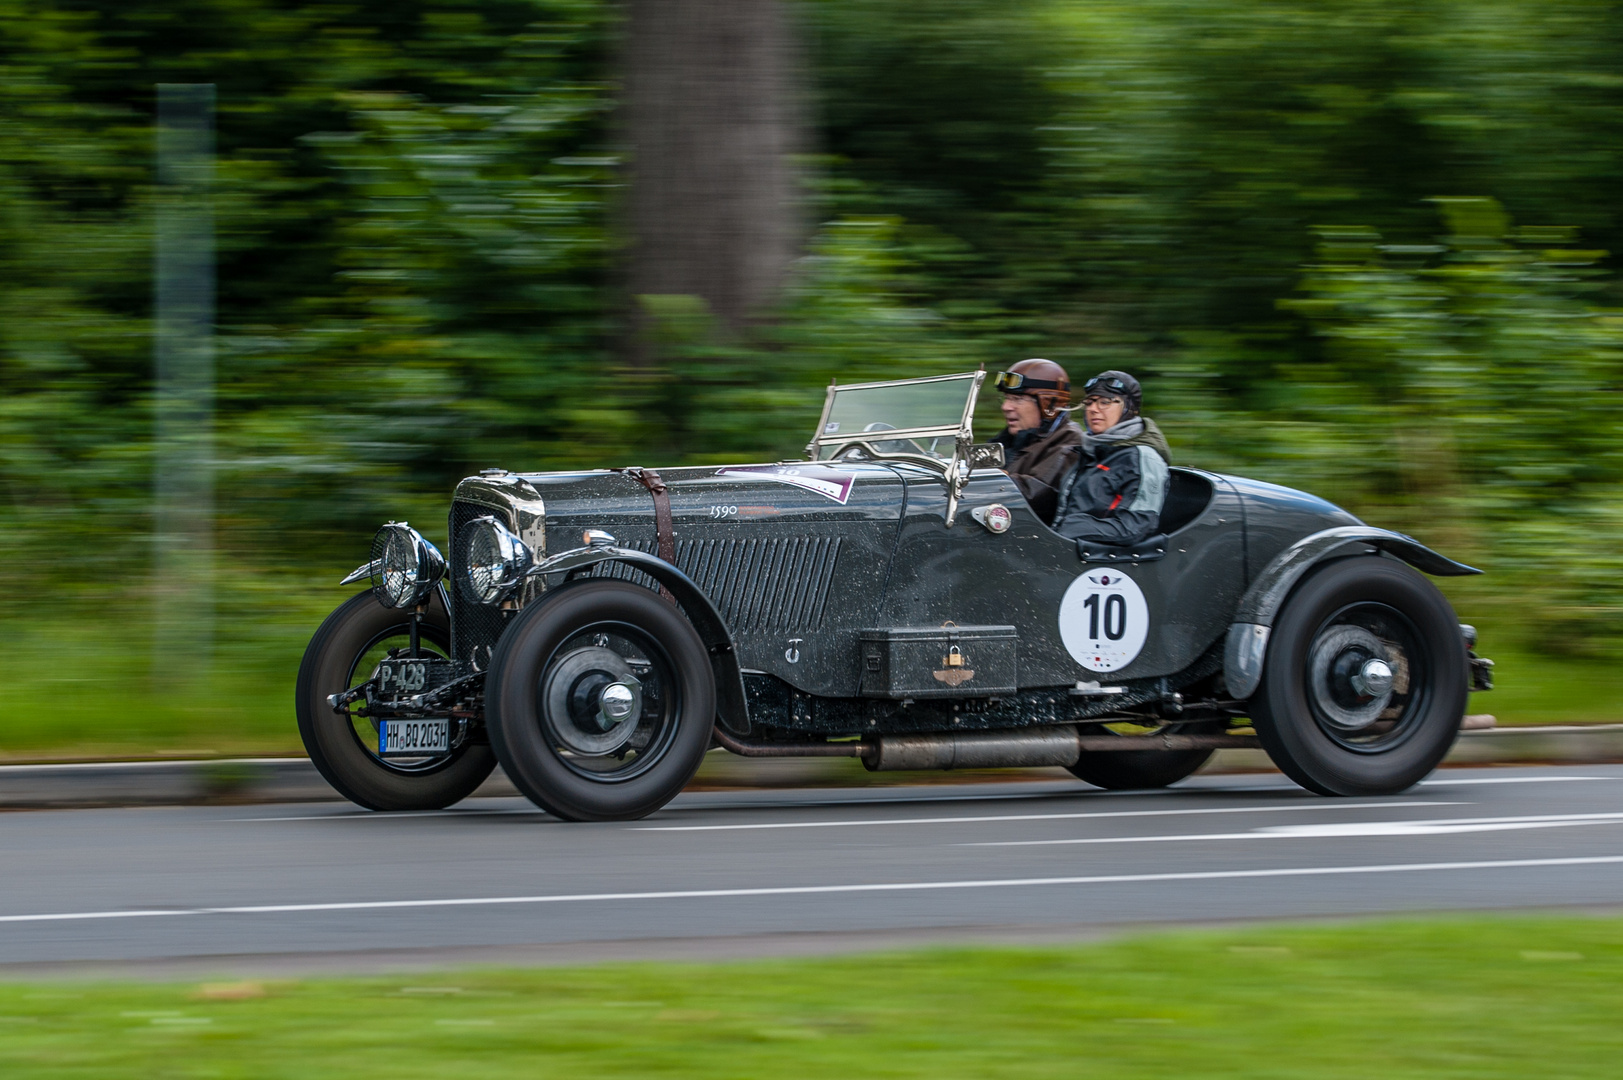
<point>1038,461</point>
<point>1118,485</point>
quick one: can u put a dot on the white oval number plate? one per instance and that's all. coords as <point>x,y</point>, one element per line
<point>1103,620</point>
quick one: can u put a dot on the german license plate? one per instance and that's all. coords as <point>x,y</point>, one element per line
<point>413,737</point>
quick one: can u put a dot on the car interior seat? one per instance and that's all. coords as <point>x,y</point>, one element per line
<point>1188,495</point>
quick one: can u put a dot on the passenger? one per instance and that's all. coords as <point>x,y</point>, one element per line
<point>1040,432</point>
<point>1115,492</point>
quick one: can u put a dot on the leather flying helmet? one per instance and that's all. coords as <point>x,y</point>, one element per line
<point>1118,385</point>
<point>1042,379</point>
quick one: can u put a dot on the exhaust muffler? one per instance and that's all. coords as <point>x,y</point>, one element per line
<point>975,749</point>
<point>1062,745</point>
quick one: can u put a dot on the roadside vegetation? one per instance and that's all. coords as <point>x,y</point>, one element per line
<point>1473,997</point>
<point>1367,250</point>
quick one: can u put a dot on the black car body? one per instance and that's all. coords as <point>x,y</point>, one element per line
<point>896,599</point>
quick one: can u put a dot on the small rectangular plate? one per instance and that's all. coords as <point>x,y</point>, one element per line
<point>401,678</point>
<point>413,737</point>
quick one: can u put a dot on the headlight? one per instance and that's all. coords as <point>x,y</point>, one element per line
<point>405,567</point>
<point>497,560</point>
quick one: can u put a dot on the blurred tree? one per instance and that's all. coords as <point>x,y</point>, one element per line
<point>1488,384</point>
<point>713,119</point>
<point>1467,390</point>
<point>411,210</point>
<point>424,218</point>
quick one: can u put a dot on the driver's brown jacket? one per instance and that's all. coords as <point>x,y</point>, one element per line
<point>1038,463</point>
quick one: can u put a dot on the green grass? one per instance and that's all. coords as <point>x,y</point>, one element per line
<point>81,681</point>
<point>1478,998</point>
<point>1534,689</point>
<point>1534,682</point>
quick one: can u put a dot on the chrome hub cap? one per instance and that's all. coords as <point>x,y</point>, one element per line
<point>616,702</point>
<point>1373,679</point>
<point>1349,677</point>
<point>593,701</point>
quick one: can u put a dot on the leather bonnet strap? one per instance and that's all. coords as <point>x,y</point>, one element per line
<point>663,530</point>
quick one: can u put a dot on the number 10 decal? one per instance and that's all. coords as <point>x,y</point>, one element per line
<point>1115,616</point>
<point>1103,620</point>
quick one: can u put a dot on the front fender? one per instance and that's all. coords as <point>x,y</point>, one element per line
<point>701,612</point>
<point>1246,647</point>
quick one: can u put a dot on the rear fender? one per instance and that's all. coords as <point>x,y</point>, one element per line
<point>1246,647</point>
<point>701,612</point>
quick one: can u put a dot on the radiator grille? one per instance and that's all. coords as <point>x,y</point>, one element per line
<point>474,626</point>
<point>757,585</point>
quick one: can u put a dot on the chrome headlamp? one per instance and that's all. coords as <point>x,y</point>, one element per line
<point>405,567</point>
<point>497,560</point>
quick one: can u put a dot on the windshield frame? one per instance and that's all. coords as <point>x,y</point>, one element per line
<point>961,432</point>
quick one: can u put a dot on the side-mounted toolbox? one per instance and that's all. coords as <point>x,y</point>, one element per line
<point>939,661</point>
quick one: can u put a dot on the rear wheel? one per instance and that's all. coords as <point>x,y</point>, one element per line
<point>1365,683</point>
<point>1127,770</point>
<point>601,701</point>
<point>343,747</point>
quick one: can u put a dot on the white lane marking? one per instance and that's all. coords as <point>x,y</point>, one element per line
<point>1421,827</point>
<point>1458,781</point>
<point>820,890</point>
<point>369,815</point>
<point>1306,805</point>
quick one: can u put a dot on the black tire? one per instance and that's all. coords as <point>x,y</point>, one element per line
<point>544,681</point>
<point>1134,770</point>
<point>1314,717</point>
<point>357,773</point>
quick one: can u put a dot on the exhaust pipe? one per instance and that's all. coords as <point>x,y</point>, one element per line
<point>976,749</point>
<point>1022,748</point>
<point>1062,746</point>
<point>823,749</point>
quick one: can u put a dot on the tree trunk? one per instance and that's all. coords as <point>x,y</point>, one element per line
<point>713,118</point>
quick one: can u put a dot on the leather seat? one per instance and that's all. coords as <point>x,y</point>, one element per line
<point>1148,549</point>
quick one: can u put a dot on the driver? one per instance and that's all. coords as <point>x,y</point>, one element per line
<point>1115,492</point>
<point>1040,432</point>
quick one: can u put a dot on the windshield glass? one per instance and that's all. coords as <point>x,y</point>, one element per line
<point>930,411</point>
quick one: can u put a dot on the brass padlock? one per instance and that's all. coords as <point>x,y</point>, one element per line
<point>952,670</point>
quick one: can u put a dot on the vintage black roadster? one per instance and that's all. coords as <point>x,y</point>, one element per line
<point>890,598</point>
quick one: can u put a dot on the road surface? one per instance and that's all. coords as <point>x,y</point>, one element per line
<point>330,887</point>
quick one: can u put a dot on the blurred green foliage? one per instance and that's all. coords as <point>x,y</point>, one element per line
<point>1360,247</point>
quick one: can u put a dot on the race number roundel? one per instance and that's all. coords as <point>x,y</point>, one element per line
<point>1103,620</point>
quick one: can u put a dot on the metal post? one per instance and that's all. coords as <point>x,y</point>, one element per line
<point>183,356</point>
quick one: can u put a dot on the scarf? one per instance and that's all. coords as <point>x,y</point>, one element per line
<point>1094,445</point>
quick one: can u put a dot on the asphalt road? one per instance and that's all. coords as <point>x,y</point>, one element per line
<point>324,886</point>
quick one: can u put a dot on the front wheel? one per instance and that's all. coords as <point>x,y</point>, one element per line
<point>1365,682</point>
<point>601,701</point>
<point>343,747</point>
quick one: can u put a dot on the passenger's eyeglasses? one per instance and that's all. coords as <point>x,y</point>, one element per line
<point>1011,381</point>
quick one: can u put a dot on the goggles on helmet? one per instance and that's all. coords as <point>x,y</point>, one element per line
<point>1012,382</point>
<point>1099,386</point>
